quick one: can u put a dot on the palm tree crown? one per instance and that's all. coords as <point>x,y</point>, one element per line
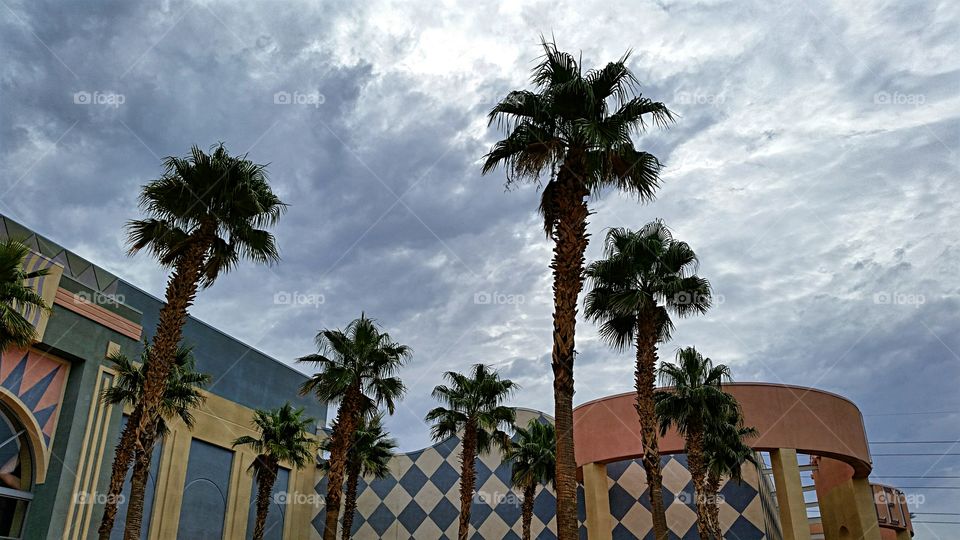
<point>17,297</point>
<point>182,393</point>
<point>696,399</point>
<point>219,201</point>
<point>283,437</point>
<point>474,400</point>
<point>645,274</point>
<point>533,454</point>
<point>361,356</point>
<point>372,447</point>
<point>584,121</point>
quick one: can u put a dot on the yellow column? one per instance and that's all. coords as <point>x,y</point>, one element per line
<point>170,480</point>
<point>596,498</point>
<point>238,500</point>
<point>793,509</point>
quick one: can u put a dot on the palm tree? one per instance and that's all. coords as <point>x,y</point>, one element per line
<point>533,462</point>
<point>370,454</point>
<point>284,437</point>
<point>725,452</point>
<point>207,212</point>
<point>645,277</point>
<point>693,405</point>
<point>17,297</point>
<point>181,396</point>
<point>472,404</point>
<point>576,128</point>
<point>357,368</point>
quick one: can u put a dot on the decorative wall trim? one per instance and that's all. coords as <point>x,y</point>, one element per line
<point>97,314</point>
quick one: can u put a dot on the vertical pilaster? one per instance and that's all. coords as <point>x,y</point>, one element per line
<point>596,497</point>
<point>793,509</point>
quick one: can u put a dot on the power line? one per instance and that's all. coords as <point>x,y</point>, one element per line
<point>914,442</point>
<point>919,454</point>
<point>937,513</point>
<point>913,413</point>
<point>914,476</point>
<point>928,487</point>
<point>938,522</point>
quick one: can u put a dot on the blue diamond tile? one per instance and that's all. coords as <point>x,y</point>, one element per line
<point>615,470</point>
<point>445,477</point>
<point>479,512</point>
<point>620,502</point>
<point>691,534</point>
<point>503,473</point>
<point>511,536</point>
<point>547,534</point>
<point>444,513</point>
<point>413,480</point>
<point>444,448</point>
<point>383,486</point>
<point>412,516</point>
<point>381,519</point>
<point>510,508</point>
<point>738,496</point>
<point>545,506</point>
<point>742,529</point>
<point>622,533</point>
<point>483,472</point>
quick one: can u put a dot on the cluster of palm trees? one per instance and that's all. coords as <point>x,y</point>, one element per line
<point>573,135</point>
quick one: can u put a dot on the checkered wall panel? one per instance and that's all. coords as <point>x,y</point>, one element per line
<point>420,500</point>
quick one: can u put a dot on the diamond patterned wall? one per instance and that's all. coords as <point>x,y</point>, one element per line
<point>420,500</point>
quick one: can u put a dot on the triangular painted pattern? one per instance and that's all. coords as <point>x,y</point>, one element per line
<point>37,381</point>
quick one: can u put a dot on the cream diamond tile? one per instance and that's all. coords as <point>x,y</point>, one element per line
<point>399,465</point>
<point>675,477</point>
<point>634,480</point>
<point>366,532</point>
<point>493,527</point>
<point>429,461</point>
<point>427,529</point>
<point>755,514</point>
<point>638,521</point>
<point>429,495</point>
<point>680,517</point>
<point>367,502</point>
<point>397,498</point>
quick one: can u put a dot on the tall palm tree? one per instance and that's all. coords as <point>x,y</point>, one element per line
<point>206,213</point>
<point>472,404</point>
<point>693,405</point>
<point>17,297</point>
<point>575,128</point>
<point>181,395</point>
<point>725,452</point>
<point>645,277</point>
<point>357,368</point>
<point>533,462</point>
<point>284,437</point>
<point>370,453</point>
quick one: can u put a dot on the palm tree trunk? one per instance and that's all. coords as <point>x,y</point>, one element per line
<point>122,458</point>
<point>350,498</point>
<point>698,471</point>
<point>341,438</point>
<point>570,243</point>
<point>526,511</point>
<point>645,384</point>
<point>265,480</point>
<point>181,291</point>
<point>713,494</point>
<point>468,477</point>
<point>138,487</point>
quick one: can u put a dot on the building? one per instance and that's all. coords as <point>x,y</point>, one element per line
<point>57,439</point>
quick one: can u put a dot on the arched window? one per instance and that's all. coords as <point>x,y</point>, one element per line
<point>16,475</point>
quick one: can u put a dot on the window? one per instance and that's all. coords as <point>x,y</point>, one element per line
<point>16,475</point>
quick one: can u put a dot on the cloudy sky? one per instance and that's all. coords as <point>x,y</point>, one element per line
<point>813,168</point>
